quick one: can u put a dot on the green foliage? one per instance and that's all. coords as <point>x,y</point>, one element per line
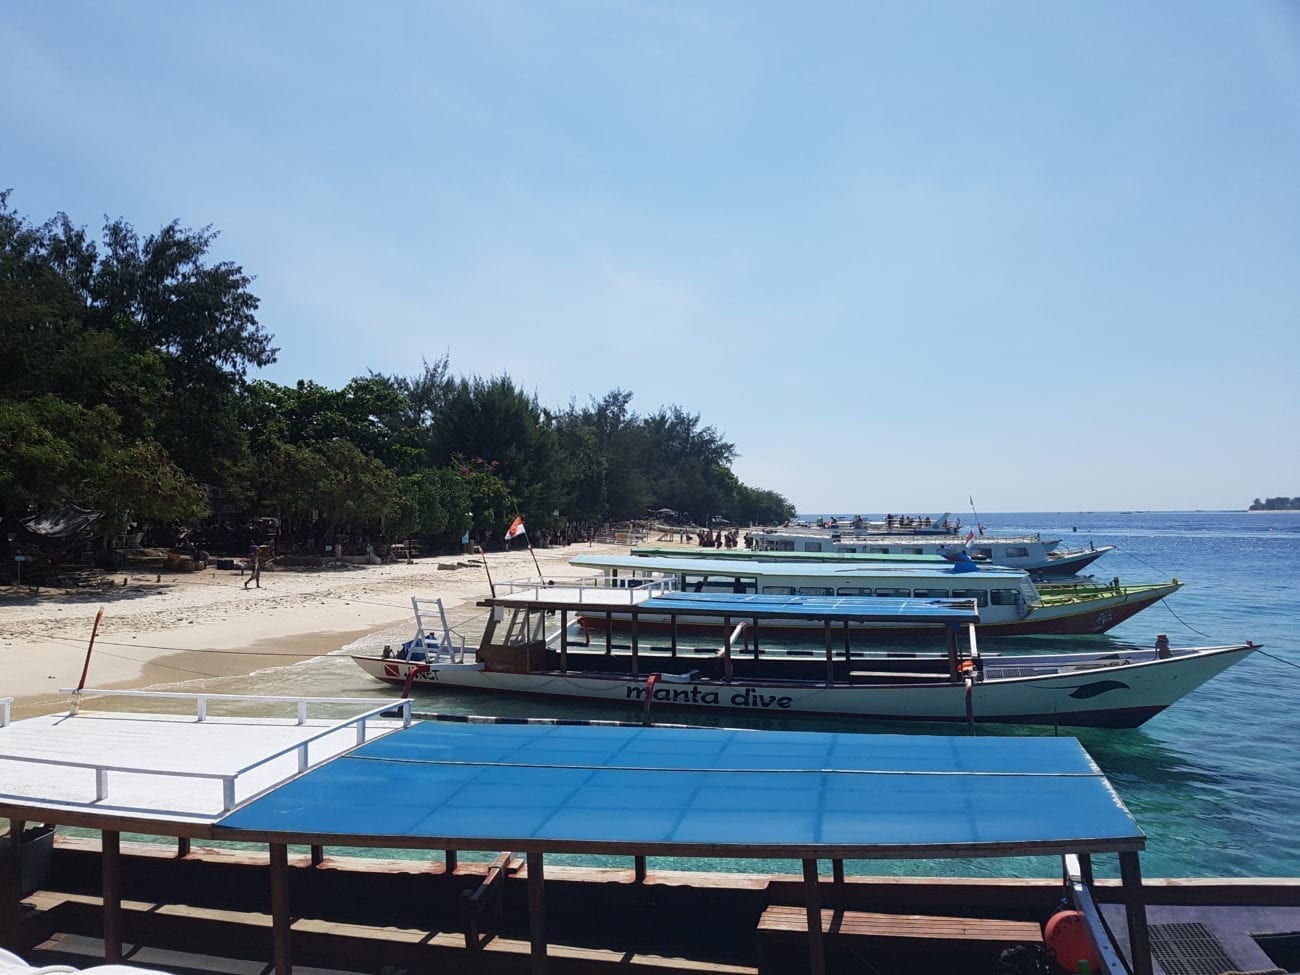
<point>123,386</point>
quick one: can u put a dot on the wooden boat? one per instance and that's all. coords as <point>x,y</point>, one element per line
<point>438,789</point>
<point>530,648</point>
<point>1010,604</point>
<point>1028,552</point>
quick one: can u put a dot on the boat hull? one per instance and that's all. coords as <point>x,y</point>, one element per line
<point>1093,613</point>
<point>1121,696</point>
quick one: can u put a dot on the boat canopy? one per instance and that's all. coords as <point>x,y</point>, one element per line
<point>837,608</point>
<point>733,567</point>
<point>705,791</point>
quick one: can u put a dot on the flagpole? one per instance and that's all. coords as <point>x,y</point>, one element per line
<point>528,540</point>
<point>971,499</point>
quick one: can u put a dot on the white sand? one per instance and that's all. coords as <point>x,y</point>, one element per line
<point>151,629</point>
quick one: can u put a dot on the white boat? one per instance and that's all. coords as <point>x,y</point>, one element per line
<point>1031,553</point>
<point>530,648</point>
<point>1009,602</point>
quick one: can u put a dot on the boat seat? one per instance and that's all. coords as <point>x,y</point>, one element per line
<point>913,675</point>
<point>786,924</point>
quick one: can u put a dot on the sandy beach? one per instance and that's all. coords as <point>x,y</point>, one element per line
<point>205,624</point>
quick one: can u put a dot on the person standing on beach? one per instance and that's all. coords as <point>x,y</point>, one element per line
<point>255,567</point>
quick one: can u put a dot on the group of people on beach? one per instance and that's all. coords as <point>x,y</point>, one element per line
<point>719,539</point>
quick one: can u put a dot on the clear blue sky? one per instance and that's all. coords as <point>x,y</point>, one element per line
<point>1045,254</point>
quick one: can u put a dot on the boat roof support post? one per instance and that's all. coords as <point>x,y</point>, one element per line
<point>110,844</point>
<point>280,920</point>
<point>609,634</point>
<point>672,626</point>
<point>564,640</point>
<point>536,914</point>
<point>636,661</point>
<point>954,657</point>
<point>813,904</point>
<point>726,649</point>
<point>11,888</point>
<point>1135,912</point>
<point>847,655</point>
<point>756,650</point>
<point>830,661</point>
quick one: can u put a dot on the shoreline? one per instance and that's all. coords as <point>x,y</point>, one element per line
<point>206,625</point>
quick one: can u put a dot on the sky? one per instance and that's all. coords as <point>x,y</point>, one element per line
<point>1043,255</point>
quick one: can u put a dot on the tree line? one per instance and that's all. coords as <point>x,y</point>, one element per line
<point>1275,504</point>
<point>124,388</point>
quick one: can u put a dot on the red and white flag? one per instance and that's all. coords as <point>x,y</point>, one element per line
<point>516,527</point>
<point>970,537</point>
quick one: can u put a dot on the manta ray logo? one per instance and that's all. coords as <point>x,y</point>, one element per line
<point>1085,691</point>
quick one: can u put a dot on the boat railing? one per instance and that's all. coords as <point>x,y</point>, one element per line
<point>590,589</point>
<point>228,778</point>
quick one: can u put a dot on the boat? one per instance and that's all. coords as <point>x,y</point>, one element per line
<point>536,644</point>
<point>292,895</point>
<point>1029,552</point>
<point>1010,603</point>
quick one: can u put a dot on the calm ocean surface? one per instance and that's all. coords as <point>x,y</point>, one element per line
<point>1214,781</point>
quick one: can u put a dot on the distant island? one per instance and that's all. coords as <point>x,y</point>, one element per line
<point>1275,504</point>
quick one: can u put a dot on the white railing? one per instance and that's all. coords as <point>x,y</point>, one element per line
<point>589,589</point>
<point>228,778</point>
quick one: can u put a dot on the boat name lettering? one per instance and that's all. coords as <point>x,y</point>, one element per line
<point>748,698</point>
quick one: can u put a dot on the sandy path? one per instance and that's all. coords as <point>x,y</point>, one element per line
<point>206,624</point>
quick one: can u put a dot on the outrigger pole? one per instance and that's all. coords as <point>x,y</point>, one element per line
<point>85,668</point>
<point>979,526</point>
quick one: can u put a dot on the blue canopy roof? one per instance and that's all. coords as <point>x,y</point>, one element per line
<point>699,792</point>
<point>749,605</point>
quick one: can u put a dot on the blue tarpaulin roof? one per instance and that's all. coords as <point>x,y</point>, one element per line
<point>699,792</point>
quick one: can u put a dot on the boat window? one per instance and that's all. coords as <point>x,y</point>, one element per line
<point>778,590</point>
<point>879,549</point>
<point>852,591</point>
<point>816,591</point>
<point>812,546</point>
<point>979,595</point>
<point>894,593</point>
<point>1017,552</point>
<point>849,551</point>
<point>913,551</point>
<point>930,593</point>
<point>1004,597</point>
<point>982,553</point>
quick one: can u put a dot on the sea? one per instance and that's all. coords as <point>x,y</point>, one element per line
<point>1214,781</point>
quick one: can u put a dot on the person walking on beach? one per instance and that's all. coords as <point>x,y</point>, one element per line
<point>255,567</point>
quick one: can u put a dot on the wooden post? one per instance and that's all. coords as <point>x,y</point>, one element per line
<point>813,902</point>
<point>111,864</point>
<point>950,634</point>
<point>449,861</point>
<point>673,625</point>
<point>756,650</point>
<point>182,847</point>
<point>564,640</point>
<point>848,656</point>
<point>1085,868</point>
<point>609,634</point>
<point>830,663</point>
<point>280,920</point>
<point>536,914</point>
<point>1135,913</point>
<point>317,855</point>
<point>11,888</point>
<point>639,869</point>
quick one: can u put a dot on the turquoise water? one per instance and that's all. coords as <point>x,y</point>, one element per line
<point>1214,781</point>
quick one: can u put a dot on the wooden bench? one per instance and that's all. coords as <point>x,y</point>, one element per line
<point>784,923</point>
